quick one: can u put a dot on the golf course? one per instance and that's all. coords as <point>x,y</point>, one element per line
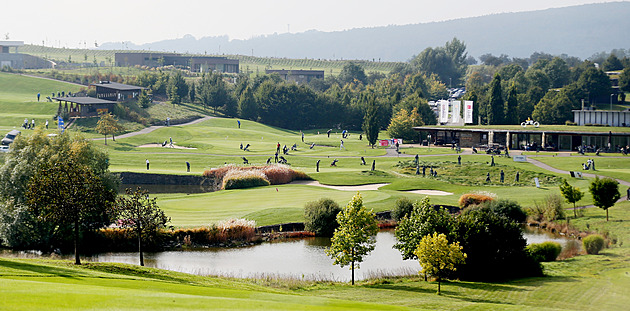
<point>206,140</point>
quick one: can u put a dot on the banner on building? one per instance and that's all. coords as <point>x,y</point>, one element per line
<point>443,111</point>
<point>468,112</point>
<point>456,113</point>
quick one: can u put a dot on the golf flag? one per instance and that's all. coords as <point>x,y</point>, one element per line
<point>60,124</point>
<point>468,111</point>
<point>457,106</point>
<point>443,111</point>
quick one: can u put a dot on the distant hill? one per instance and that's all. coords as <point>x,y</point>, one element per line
<point>576,31</point>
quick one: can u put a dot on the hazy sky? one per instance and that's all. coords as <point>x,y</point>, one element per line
<point>74,23</point>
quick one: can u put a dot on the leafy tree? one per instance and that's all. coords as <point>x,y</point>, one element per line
<point>247,108</point>
<point>352,73</point>
<point>20,226</point>
<point>511,106</point>
<point>558,72</point>
<point>144,99</point>
<point>612,63</point>
<point>320,217</point>
<point>605,193</point>
<point>68,192</point>
<point>510,71</point>
<point>355,236</point>
<point>108,125</point>
<point>437,257</point>
<point>370,120</point>
<point>423,220</point>
<point>177,88</point>
<point>554,108</point>
<point>594,82</point>
<point>624,80</point>
<point>449,62</point>
<point>141,214</point>
<point>213,91</point>
<point>401,125</point>
<point>192,92</point>
<point>495,112</point>
<point>571,194</point>
<point>495,246</point>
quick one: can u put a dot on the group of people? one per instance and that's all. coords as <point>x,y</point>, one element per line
<point>31,126</point>
<point>589,165</point>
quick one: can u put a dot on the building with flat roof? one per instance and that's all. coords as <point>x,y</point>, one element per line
<point>525,139</point>
<point>297,76</point>
<point>17,60</point>
<point>114,91</point>
<point>85,107</point>
<point>194,62</point>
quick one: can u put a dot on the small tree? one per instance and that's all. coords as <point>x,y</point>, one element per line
<point>370,120</point>
<point>437,257</point>
<point>140,213</point>
<point>605,193</point>
<point>108,125</point>
<point>354,238</point>
<point>571,194</point>
<point>423,220</point>
<point>320,217</point>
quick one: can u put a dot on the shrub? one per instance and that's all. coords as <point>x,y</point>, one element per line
<point>593,244</point>
<point>550,209</point>
<point>236,229</point>
<point>507,208</point>
<point>320,217</point>
<point>244,179</point>
<point>546,251</point>
<point>402,208</point>
<point>468,199</point>
<point>272,174</point>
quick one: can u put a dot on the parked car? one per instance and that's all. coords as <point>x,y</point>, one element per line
<point>8,139</point>
<point>4,148</point>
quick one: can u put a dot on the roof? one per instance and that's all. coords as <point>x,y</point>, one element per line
<point>118,86</point>
<point>11,43</point>
<point>84,100</point>
<point>546,132</point>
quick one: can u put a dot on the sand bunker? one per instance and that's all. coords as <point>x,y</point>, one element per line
<point>430,192</point>
<point>342,188</point>
<point>167,146</point>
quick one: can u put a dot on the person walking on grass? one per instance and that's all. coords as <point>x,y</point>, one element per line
<point>187,166</point>
<point>341,146</point>
<point>147,164</point>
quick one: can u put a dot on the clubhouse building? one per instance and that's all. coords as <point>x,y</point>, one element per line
<point>524,139</point>
<point>194,62</point>
<point>297,76</point>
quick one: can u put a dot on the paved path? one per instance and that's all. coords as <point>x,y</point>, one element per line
<point>150,129</point>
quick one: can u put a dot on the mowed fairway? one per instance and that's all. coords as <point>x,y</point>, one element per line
<point>37,285</point>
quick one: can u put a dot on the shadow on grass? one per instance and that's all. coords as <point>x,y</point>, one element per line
<point>137,271</point>
<point>45,270</point>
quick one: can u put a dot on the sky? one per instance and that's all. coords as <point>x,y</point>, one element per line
<point>82,24</point>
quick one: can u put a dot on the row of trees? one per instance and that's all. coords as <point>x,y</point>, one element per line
<point>56,190</point>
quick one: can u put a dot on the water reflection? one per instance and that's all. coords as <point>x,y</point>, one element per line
<point>303,258</point>
<point>299,258</point>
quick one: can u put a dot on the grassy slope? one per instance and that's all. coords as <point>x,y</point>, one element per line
<point>18,99</point>
<point>37,284</point>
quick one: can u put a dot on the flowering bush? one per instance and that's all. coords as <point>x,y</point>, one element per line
<point>468,199</point>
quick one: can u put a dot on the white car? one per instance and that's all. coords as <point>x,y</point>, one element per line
<point>4,148</point>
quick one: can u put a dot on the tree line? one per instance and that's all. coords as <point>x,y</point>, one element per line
<point>506,91</point>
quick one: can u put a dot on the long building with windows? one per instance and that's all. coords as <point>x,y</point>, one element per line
<point>195,63</point>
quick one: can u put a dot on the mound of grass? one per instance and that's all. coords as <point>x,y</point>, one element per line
<point>474,173</point>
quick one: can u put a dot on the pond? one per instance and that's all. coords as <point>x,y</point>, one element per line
<point>297,259</point>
